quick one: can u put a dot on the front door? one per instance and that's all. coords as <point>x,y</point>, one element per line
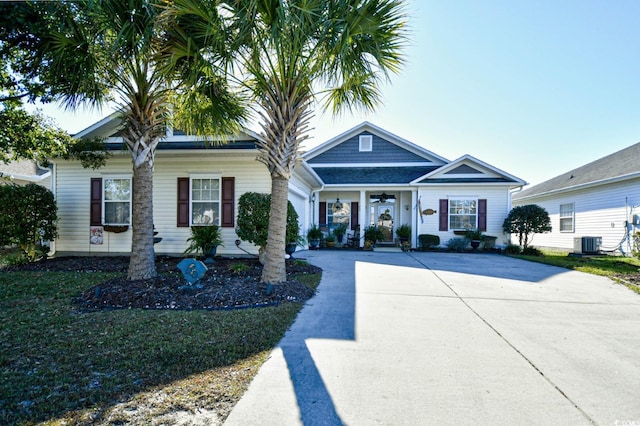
<point>385,216</point>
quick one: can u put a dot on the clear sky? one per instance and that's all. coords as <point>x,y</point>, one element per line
<point>535,88</point>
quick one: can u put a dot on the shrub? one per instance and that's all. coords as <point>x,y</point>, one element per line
<point>373,234</point>
<point>404,231</point>
<point>28,217</point>
<point>204,239</point>
<point>426,241</point>
<point>525,220</point>
<point>457,244</point>
<point>488,242</point>
<point>512,249</point>
<point>531,251</point>
<point>636,244</point>
<point>253,220</point>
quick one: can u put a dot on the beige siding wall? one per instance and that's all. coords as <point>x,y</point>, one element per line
<point>73,194</point>
<point>497,209</point>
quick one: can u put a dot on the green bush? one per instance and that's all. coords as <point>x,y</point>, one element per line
<point>525,220</point>
<point>531,251</point>
<point>253,220</point>
<point>457,244</point>
<point>28,217</point>
<point>204,239</point>
<point>513,249</point>
<point>426,241</point>
<point>373,234</point>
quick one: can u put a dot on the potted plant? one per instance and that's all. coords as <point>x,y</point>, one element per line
<point>314,235</point>
<point>293,237</point>
<point>404,233</point>
<point>330,240</point>
<point>475,236</point>
<point>205,240</point>
<point>339,231</point>
<point>373,234</point>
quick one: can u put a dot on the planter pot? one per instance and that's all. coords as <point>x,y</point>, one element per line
<point>331,243</point>
<point>116,229</point>
<point>210,255</point>
<point>290,248</point>
<point>314,244</point>
<point>475,244</point>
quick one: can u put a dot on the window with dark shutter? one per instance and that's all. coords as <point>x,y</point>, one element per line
<point>444,215</point>
<point>228,202</point>
<point>96,202</point>
<point>482,215</point>
<point>183,202</point>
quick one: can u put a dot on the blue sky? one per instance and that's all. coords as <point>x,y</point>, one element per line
<point>535,88</point>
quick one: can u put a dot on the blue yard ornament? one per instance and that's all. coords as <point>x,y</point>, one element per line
<point>192,270</point>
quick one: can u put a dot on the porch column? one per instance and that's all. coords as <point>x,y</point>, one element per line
<point>415,215</point>
<point>362,215</point>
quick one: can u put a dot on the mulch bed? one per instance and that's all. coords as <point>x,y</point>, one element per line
<point>222,287</point>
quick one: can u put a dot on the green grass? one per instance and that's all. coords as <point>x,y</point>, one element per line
<point>622,269</point>
<point>62,366</point>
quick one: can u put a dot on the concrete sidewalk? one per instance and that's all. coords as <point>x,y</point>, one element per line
<point>441,338</point>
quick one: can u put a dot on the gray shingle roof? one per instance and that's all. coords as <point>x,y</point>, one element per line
<point>618,164</point>
<point>372,175</point>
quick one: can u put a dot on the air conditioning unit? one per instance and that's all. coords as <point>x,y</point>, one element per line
<point>587,245</point>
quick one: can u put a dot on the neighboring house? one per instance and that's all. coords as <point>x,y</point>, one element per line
<point>366,176</point>
<point>374,178</point>
<point>600,199</point>
<point>23,172</point>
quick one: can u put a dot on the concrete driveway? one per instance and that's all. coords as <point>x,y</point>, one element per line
<point>440,338</point>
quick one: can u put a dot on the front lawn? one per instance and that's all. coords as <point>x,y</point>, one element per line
<point>59,365</point>
<point>623,269</point>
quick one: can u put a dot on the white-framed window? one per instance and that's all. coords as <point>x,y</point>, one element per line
<point>567,213</point>
<point>366,143</point>
<point>338,214</point>
<point>116,200</point>
<point>205,197</point>
<point>463,213</point>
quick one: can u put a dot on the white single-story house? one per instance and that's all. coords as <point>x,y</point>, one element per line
<point>363,177</point>
<point>593,208</point>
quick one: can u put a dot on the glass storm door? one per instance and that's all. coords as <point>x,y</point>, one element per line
<point>385,217</point>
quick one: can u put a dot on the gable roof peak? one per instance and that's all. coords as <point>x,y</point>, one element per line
<point>366,126</point>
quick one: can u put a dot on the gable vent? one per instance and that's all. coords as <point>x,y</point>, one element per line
<point>366,143</point>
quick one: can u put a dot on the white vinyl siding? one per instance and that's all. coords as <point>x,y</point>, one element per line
<point>600,211</point>
<point>497,209</point>
<point>566,217</point>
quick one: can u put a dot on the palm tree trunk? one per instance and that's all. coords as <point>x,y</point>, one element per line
<point>142,263</point>
<point>274,271</point>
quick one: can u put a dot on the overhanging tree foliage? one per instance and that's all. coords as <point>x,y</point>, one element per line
<point>92,51</point>
<point>527,220</point>
<point>28,216</point>
<point>289,54</point>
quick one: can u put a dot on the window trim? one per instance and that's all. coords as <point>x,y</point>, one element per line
<point>330,214</point>
<point>449,215</point>
<point>212,176</point>
<point>104,203</point>
<point>365,143</point>
<point>572,216</point>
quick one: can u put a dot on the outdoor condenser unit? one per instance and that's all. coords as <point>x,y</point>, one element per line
<point>587,245</point>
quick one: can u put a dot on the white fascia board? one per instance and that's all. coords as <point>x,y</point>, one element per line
<point>96,126</point>
<point>444,169</point>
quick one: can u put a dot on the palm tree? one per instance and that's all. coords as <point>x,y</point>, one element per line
<point>109,49</point>
<point>292,53</point>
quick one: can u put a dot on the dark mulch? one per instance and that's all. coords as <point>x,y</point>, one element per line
<point>222,287</point>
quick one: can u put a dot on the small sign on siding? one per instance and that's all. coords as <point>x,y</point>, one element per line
<point>96,235</point>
